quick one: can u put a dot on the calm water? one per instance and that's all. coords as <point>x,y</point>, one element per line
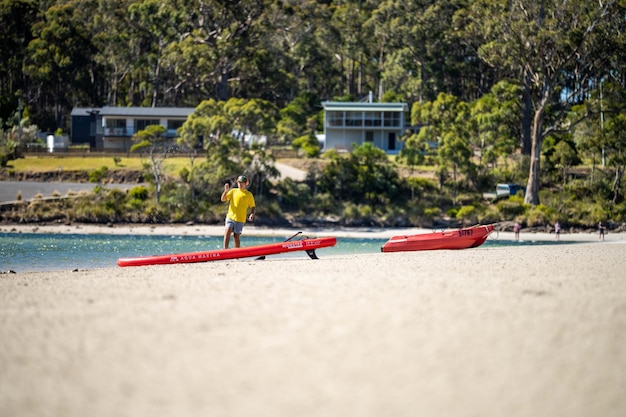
<point>22,252</point>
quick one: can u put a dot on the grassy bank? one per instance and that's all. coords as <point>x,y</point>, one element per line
<point>39,163</point>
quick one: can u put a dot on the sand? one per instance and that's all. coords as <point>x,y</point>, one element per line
<point>509,331</point>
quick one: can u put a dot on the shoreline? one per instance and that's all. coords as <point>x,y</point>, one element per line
<point>252,230</point>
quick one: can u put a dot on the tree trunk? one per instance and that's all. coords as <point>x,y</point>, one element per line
<point>617,183</point>
<point>527,121</point>
<point>534,176</point>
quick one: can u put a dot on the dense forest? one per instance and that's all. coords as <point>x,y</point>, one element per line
<point>508,90</point>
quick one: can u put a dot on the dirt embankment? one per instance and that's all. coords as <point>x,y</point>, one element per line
<point>113,176</point>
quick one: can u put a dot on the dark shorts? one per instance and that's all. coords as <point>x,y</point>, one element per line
<point>236,226</point>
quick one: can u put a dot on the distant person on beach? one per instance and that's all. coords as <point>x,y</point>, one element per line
<point>557,231</point>
<point>516,229</point>
<point>240,200</point>
<point>601,229</point>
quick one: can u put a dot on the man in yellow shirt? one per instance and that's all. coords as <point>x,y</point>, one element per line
<point>240,200</point>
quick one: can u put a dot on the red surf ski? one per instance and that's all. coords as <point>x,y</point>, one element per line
<point>307,245</point>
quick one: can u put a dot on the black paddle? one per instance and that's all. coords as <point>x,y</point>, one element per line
<point>260,258</point>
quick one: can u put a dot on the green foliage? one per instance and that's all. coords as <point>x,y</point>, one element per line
<point>98,175</point>
<point>139,193</point>
<point>309,145</point>
<point>468,215</point>
<point>365,175</point>
<point>539,215</point>
<point>510,208</point>
<point>480,78</point>
<point>496,122</point>
<point>298,118</point>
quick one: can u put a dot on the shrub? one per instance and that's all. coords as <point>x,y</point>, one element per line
<point>99,174</point>
<point>490,215</point>
<point>510,208</point>
<point>539,215</point>
<point>138,193</point>
<point>467,214</point>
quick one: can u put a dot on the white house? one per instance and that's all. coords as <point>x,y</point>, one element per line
<point>348,123</point>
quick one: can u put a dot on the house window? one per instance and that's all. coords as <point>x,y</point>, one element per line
<point>115,127</point>
<point>372,118</point>
<point>354,118</point>
<point>369,136</point>
<point>174,124</point>
<point>392,119</point>
<point>141,124</point>
<point>334,118</point>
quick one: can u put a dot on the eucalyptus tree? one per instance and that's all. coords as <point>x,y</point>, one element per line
<point>542,45</point>
<point>426,52</point>
<point>252,118</point>
<point>59,61</point>
<point>219,127</point>
<point>153,26</point>
<point>214,44</point>
<point>353,46</point>
<point>16,21</point>
<point>496,117</point>
<point>210,128</point>
<point>563,156</point>
<point>446,125</point>
<point>612,134</point>
<point>153,140</point>
<point>304,43</point>
<point>616,143</point>
<point>116,54</point>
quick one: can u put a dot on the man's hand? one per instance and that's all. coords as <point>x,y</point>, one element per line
<point>226,187</point>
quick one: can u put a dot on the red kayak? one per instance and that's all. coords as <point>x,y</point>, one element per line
<point>307,245</point>
<point>469,237</point>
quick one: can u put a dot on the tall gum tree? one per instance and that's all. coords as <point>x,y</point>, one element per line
<point>550,47</point>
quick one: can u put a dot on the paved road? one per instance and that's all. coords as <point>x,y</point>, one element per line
<point>287,171</point>
<point>29,189</point>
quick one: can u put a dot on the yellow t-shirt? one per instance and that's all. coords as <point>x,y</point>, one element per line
<point>240,201</point>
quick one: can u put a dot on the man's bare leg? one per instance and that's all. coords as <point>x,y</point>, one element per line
<point>227,234</point>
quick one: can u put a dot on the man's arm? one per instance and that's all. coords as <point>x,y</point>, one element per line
<point>226,188</point>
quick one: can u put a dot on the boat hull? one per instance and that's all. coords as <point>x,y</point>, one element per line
<point>307,245</point>
<point>465,238</point>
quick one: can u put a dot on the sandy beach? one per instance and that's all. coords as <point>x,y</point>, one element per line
<point>506,331</point>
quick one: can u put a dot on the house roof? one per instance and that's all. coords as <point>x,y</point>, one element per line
<point>134,111</point>
<point>358,106</point>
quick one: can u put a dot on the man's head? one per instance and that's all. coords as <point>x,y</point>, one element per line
<point>242,179</point>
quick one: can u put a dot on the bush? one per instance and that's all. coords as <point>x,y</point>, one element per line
<point>468,214</point>
<point>510,208</point>
<point>539,215</point>
<point>138,193</point>
<point>99,174</point>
